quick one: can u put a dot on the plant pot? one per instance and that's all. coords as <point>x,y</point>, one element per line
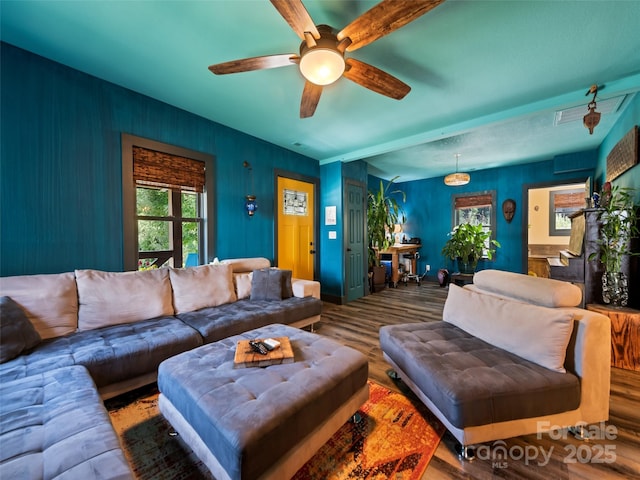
<point>466,265</point>
<point>615,289</point>
<point>379,277</point>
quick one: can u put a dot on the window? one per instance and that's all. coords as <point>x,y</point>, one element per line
<point>168,206</point>
<point>476,209</point>
<point>167,193</point>
<point>562,205</point>
<point>169,227</point>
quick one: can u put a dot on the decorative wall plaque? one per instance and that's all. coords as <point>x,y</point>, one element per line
<point>624,155</point>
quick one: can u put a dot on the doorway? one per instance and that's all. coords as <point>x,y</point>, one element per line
<point>295,232</point>
<point>546,220</point>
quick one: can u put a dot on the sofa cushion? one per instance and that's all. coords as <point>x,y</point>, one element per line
<point>242,283</point>
<point>54,425</point>
<point>546,292</point>
<point>16,331</point>
<point>111,298</point>
<point>111,354</point>
<point>473,382</point>
<point>220,322</point>
<point>536,333</point>
<point>200,287</point>
<point>50,301</point>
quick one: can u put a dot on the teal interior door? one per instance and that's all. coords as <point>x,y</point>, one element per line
<point>356,257</point>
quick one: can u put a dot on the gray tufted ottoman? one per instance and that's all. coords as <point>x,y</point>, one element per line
<point>267,422</point>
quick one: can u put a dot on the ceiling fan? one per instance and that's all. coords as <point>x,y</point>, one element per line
<point>321,59</point>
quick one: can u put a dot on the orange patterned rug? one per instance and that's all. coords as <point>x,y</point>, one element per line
<point>395,438</point>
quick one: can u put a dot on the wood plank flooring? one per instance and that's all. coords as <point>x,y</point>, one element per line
<point>357,323</point>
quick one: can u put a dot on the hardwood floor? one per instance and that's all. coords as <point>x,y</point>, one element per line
<point>618,457</point>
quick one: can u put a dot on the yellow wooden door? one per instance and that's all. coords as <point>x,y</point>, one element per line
<point>296,244</point>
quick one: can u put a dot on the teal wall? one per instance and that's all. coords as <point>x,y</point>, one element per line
<point>332,179</point>
<point>60,170</point>
<point>331,251</point>
<point>429,207</point>
<point>630,178</point>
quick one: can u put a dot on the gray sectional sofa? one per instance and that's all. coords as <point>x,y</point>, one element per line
<point>71,340</point>
<point>512,356</point>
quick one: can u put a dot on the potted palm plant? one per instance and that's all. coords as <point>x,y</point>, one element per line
<point>467,244</point>
<point>618,219</point>
<point>383,212</point>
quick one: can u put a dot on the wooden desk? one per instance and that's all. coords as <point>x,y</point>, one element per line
<point>395,251</point>
<point>625,335</point>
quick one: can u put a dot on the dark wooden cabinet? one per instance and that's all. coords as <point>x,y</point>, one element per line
<point>593,269</point>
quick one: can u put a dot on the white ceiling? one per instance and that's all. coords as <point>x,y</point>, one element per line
<point>487,76</point>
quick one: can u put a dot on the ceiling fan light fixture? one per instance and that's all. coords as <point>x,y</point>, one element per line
<point>322,66</point>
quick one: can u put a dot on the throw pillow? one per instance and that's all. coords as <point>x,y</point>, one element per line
<point>242,282</point>
<point>112,298</point>
<point>287,288</point>
<point>200,287</point>
<point>538,334</point>
<point>266,284</point>
<point>49,300</point>
<point>17,334</point>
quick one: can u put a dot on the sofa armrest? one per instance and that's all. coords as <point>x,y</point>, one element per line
<point>305,288</point>
<point>589,357</point>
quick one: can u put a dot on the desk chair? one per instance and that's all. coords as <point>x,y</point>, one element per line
<point>410,274</point>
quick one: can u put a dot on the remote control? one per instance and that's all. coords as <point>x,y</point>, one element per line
<point>258,347</point>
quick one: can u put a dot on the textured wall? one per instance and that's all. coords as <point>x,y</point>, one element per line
<point>60,171</point>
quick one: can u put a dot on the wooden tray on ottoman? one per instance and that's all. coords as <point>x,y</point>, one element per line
<point>246,357</point>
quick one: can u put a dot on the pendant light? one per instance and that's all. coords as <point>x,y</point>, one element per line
<point>592,118</point>
<point>457,179</point>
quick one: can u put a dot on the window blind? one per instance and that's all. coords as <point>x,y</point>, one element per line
<point>568,200</point>
<point>481,200</point>
<point>158,169</point>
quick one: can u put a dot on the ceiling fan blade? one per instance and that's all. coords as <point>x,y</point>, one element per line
<point>384,18</point>
<point>310,98</point>
<point>297,17</point>
<point>375,79</point>
<point>255,63</point>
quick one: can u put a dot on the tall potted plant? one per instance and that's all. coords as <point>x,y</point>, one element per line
<point>383,212</point>
<point>619,224</point>
<point>467,244</point>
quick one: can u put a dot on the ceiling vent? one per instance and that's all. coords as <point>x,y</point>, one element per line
<point>575,114</point>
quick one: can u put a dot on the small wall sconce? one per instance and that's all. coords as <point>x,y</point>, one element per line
<point>592,118</point>
<point>250,203</point>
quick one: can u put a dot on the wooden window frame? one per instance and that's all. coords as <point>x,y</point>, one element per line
<point>466,199</point>
<point>554,231</point>
<point>129,214</point>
